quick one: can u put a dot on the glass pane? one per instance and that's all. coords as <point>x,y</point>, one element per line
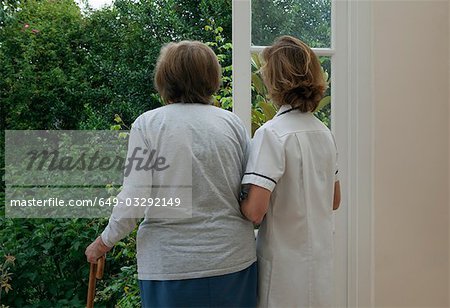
<point>323,112</point>
<point>263,109</point>
<point>308,20</point>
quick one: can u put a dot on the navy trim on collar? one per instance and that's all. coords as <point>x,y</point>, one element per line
<point>286,111</point>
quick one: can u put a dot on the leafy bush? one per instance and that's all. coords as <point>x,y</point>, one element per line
<point>264,110</point>
<point>5,275</point>
<point>63,68</point>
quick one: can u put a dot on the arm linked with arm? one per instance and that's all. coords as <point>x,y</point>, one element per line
<point>255,206</point>
<point>265,167</point>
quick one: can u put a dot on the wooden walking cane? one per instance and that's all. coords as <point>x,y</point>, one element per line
<point>95,272</point>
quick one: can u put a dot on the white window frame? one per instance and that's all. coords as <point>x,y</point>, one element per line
<point>352,120</point>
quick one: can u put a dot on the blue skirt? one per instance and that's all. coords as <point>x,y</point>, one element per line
<point>231,290</point>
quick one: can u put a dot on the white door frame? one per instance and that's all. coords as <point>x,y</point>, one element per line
<point>352,120</point>
<point>360,155</point>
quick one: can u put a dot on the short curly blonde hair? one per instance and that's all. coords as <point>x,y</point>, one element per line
<point>292,74</point>
<point>187,72</point>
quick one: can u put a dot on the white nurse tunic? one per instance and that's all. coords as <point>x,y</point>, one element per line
<point>294,156</point>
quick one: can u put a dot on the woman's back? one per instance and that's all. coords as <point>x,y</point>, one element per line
<point>215,239</point>
<point>295,238</point>
<point>292,171</point>
<point>194,248</point>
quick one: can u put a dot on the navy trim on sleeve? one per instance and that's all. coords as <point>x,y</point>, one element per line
<point>263,176</point>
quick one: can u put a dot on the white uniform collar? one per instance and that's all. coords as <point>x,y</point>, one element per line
<point>284,109</point>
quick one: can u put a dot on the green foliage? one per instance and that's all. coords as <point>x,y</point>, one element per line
<point>309,20</point>
<point>223,48</point>
<point>5,275</point>
<point>41,65</point>
<point>323,111</point>
<point>50,267</point>
<point>122,45</point>
<point>66,68</point>
<point>264,110</point>
<point>121,287</point>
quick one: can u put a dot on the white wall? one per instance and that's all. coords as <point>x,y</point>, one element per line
<point>411,155</point>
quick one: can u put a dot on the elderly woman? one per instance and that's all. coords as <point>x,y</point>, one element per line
<point>203,255</point>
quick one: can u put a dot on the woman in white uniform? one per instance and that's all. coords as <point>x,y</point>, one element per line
<point>292,183</point>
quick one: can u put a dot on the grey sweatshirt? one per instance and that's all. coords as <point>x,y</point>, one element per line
<point>200,155</point>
